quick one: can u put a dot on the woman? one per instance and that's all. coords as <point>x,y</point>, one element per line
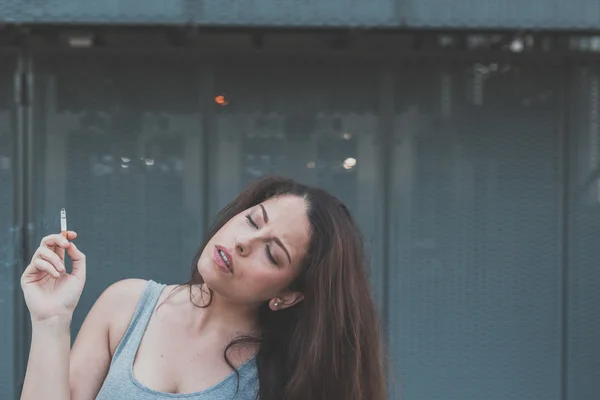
<point>279,306</point>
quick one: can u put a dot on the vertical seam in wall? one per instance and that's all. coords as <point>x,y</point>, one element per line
<point>208,122</point>
<point>563,204</point>
<point>386,132</point>
<point>22,200</point>
<point>18,223</point>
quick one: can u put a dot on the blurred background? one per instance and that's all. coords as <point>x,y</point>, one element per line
<point>464,136</point>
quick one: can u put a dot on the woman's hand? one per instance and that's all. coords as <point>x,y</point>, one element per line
<point>50,292</point>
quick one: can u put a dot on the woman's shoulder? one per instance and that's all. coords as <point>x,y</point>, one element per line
<point>124,293</point>
<point>118,303</point>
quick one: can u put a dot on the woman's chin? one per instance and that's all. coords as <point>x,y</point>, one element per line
<point>207,272</point>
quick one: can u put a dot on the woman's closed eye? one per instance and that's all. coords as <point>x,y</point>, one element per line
<point>267,248</point>
<point>251,221</point>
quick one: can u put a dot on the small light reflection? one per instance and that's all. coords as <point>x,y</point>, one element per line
<point>311,164</point>
<point>125,159</point>
<point>221,100</point>
<point>349,163</point>
<point>81,41</point>
<point>149,161</point>
<point>347,136</point>
<point>517,45</point>
<point>124,165</point>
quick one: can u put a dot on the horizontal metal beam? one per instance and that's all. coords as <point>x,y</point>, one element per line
<point>536,14</point>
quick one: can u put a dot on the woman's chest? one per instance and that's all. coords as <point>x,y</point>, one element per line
<point>174,362</point>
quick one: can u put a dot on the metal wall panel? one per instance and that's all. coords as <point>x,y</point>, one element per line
<point>546,14</point>
<point>541,14</point>
<point>113,12</point>
<point>583,367</point>
<point>120,146</point>
<point>226,13</point>
<point>474,288</point>
<point>8,231</point>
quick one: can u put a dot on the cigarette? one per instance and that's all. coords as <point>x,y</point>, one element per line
<point>63,223</point>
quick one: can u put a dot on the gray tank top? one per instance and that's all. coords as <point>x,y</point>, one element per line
<point>121,384</point>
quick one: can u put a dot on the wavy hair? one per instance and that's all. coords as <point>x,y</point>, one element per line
<point>329,345</point>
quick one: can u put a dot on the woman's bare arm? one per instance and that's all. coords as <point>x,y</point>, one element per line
<point>99,335</point>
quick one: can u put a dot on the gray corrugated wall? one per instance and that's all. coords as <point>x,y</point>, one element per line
<point>584,232</point>
<point>534,14</point>
<point>8,233</point>
<point>486,261</point>
<point>475,280</point>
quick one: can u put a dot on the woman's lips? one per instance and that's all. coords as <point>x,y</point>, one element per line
<point>223,259</point>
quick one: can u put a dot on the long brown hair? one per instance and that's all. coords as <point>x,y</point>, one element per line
<point>329,345</point>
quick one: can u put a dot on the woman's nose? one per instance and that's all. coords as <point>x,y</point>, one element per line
<point>244,244</point>
<point>240,249</point>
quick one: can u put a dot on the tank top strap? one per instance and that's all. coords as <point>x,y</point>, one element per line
<point>132,338</point>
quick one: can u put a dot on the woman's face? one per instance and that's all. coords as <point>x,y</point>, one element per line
<point>256,255</point>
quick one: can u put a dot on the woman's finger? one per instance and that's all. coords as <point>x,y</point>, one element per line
<point>50,256</point>
<point>42,265</point>
<point>55,240</point>
<point>78,260</point>
<point>71,235</point>
<point>58,243</point>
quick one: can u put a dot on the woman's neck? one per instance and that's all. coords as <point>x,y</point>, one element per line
<point>212,312</point>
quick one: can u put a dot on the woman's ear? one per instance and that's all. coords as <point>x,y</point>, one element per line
<point>285,300</point>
